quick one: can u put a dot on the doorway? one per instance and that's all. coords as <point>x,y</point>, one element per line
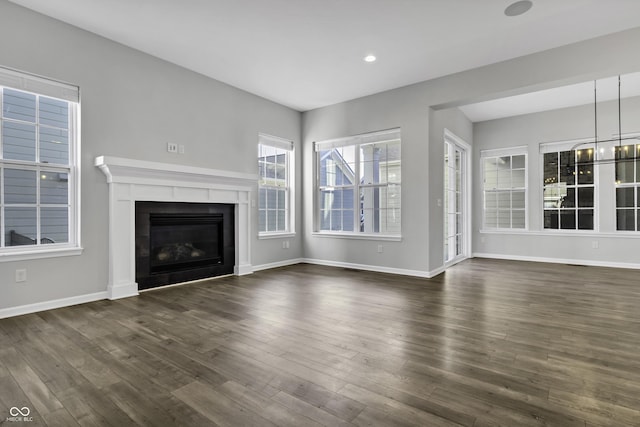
<point>457,173</point>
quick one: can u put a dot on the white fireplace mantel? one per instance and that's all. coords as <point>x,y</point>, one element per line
<point>137,180</point>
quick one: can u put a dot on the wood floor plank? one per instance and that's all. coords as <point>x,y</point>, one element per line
<point>487,343</point>
<point>218,408</point>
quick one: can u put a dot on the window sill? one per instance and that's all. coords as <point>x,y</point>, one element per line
<point>358,236</point>
<point>276,235</point>
<point>27,254</point>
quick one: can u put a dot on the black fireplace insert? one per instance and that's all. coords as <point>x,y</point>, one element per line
<point>178,242</point>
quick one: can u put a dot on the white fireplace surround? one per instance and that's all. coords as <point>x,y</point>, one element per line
<point>137,180</point>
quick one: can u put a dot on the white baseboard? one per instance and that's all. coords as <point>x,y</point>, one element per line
<point>376,268</point>
<point>50,305</point>
<point>584,262</point>
<point>278,264</point>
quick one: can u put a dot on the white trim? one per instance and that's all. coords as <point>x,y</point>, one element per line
<point>39,253</point>
<point>501,152</point>
<point>32,83</point>
<point>376,268</point>
<point>276,235</point>
<point>361,236</point>
<point>363,138</point>
<point>275,141</point>
<point>50,305</point>
<point>589,263</point>
<point>277,264</point>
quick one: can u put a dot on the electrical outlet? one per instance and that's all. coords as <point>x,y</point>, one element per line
<point>172,147</point>
<point>181,149</point>
<point>380,249</point>
<point>285,244</point>
<point>594,244</point>
<point>21,275</point>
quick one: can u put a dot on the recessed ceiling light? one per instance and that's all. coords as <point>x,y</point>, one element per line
<point>369,58</point>
<point>518,8</point>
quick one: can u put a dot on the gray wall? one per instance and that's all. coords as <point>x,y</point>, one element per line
<point>410,109</point>
<point>560,125</point>
<point>132,105</point>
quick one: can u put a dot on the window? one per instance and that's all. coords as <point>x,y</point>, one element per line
<point>628,187</point>
<point>569,190</point>
<point>358,184</point>
<point>275,166</point>
<point>38,164</point>
<point>504,188</point>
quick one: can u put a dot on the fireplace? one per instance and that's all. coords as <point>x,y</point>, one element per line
<point>178,242</point>
<point>131,181</point>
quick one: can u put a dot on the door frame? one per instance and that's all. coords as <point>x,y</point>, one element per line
<point>467,169</point>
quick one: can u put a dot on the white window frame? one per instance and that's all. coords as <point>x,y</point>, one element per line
<point>560,146</point>
<point>39,86</point>
<point>506,152</point>
<point>356,141</point>
<point>633,140</point>
<point>288,147</point>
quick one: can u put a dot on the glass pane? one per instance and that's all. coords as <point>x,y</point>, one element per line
<point>325,220</point>
<point>568,220</point>
<point>585,166</point>
<point>550,168</point>
<point>504,178</point>
<point>517,200</point>
<point>585,197</point>
<point>490,200</point>
<point>551,219</point>
<point>585,219</point>
<point>518,219</point>
<point>54,188</point>
<point>54,225</point>
<point>262,199</point>
<point>19,186</point>
<point>282,196</point>
<point>491,218</point>
<point>20,226</point>
<point>336,220</point>
<point>517,162</point>
<point>272,199</point>
<point>262,220</point>
<point>625,197</point>
<point>54,146</point>
<point>271,220</point>
<point>490,173</point>
<point>19,105</point>
<point>517,178</point>
<point>554,195</point>
<point>347,220</point>
<point>504,219</point>
<point>19,141</point>
<point>504,200</point>
<point>281,157</point>
<point>638,219</point>
<point>567,167</point>
<point>569,201</point>
<point>262,171</point>
<point>281,219</point>
<point>625,219</point>
<point>54,112</point>
<point>625,164</point>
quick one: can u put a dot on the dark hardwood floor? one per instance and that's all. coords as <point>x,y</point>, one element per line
<point>487,343</point>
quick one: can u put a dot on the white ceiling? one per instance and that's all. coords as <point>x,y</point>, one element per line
<point>308,53</point>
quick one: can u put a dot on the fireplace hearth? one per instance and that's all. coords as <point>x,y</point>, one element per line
<point>178,242</point>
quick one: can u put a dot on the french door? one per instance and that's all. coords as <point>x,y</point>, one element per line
<point>455,200</point>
